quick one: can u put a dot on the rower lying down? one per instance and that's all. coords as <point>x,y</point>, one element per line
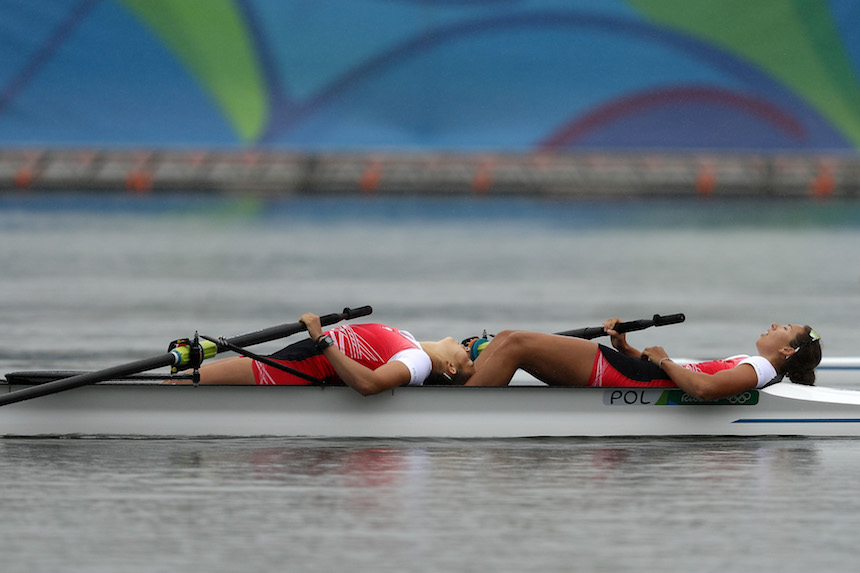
<point>369,358</point>
<point>791,350</point>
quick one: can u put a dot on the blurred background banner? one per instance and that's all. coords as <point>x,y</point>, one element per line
<point>319,94</point>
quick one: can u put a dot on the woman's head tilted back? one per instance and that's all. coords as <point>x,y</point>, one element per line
<point>452,365</point>
<point>800,366</point>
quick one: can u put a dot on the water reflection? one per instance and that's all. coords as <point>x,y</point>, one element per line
<point>369,463</point>
<point>363,463</point>
<point>397,463</point>
<point>500,503</point>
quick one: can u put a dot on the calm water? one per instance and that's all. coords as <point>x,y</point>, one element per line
<point>523,505</point>
<point>92,281</point>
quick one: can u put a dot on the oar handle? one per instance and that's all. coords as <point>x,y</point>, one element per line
<point>596,331</point>
<point>284,330</point>
<point>347,314</point>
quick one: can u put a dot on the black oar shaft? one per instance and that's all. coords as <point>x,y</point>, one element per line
<point>166,359</point>
<point>169,358</point>
<point>284,330</point>
<point>596,331</point>
<point>42,376</point>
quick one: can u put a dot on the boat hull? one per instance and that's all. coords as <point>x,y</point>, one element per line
<point>155,410</point>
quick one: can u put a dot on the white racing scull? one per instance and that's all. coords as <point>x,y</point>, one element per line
<point>158,410</point>
<point>90,404</point>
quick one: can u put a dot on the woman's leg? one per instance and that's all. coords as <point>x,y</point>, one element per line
<point>555,360</point>
<point>233,370</point>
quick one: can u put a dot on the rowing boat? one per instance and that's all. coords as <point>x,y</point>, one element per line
<point>100,404</point>
<point>126,409</point>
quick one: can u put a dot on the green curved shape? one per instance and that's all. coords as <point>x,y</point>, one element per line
<point>211,40</point>
<point>795,41</point>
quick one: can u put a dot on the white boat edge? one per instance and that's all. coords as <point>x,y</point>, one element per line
<point>157,410</point>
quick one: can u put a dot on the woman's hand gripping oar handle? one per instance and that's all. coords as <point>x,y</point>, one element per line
<point>596,331</point>
<point>285,330</point>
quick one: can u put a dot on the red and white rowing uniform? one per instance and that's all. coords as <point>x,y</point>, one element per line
<point>371,345</point>
<point>611,368</point>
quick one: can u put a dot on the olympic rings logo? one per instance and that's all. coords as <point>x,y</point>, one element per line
<point>742,398</point>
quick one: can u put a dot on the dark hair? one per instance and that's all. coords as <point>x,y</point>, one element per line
<point>800,366</point>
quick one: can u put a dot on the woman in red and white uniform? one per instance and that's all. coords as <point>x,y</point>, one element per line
<point>368,357</point>
<point>791,350</point>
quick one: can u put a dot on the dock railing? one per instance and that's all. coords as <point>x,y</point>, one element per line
<point>575,174</point>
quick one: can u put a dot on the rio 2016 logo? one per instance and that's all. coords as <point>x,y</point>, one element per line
<point>675,397</point>
<point>738,399</point>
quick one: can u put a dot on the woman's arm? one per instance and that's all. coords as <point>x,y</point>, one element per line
<point>705,386</point>
<point>619,339</point>
<point>357,376</point>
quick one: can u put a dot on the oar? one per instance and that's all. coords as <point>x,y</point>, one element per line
<point>42,376</point>
<point>172,358</point>
<point>596,331</point>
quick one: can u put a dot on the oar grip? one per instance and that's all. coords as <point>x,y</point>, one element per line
<point>669,319</point>
<point>285,330</point>
<point>347,314</point>
<point>656,320</point>
<point>596,331</point>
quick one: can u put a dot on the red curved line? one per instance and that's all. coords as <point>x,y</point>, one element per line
<point>614,111</point>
